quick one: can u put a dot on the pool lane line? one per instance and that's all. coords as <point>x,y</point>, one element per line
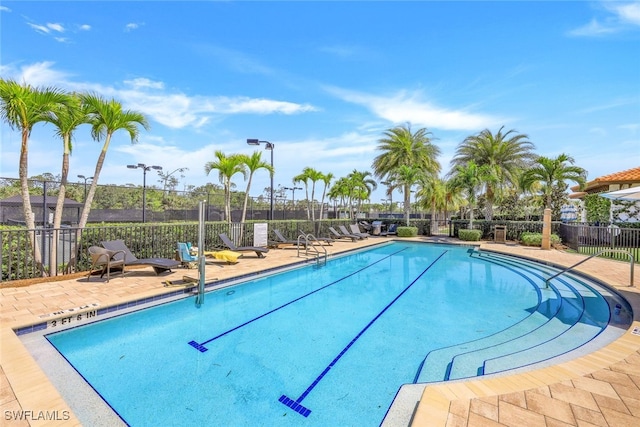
<point>295,404</point>
<point>201,346</point>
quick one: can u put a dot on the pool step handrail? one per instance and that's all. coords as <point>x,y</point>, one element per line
<point>546,282</point>
<point>311,241</point>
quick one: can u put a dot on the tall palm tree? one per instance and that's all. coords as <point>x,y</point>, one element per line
<point>469,178</point>
<point>360,188</point>
<point>227,167</point>
<point>401,147</point>
<point>21,107</point>
<point>252,163</point>
<point>308,174</point>
<point>552,173</point>
<point>326,179</point>
<point>66,117</point>
<point>406,176</point>
<point>503,155</point>
<point>106,117</point>
<point>340,190</point>
<point>432,191</point>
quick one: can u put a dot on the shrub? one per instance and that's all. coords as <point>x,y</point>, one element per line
<point>469,235</point>
<point>535,239</point>
<point>407,231</point>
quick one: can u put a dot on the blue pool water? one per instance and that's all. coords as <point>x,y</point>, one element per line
<point>331,345</point>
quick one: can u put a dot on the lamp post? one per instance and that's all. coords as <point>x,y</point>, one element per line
<point>293,197</point>
<point>144,168</point>
<point>85,184</point>
<point>268,146</point>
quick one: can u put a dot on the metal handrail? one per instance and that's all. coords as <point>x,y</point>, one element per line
<point>307,244</point>
<point>546,282</point>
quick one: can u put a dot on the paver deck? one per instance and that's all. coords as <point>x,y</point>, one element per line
<point>600,389</point>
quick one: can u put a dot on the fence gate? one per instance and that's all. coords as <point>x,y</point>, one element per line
<point>440,227</point>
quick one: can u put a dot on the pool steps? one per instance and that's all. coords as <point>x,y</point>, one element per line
<point>550,330</point>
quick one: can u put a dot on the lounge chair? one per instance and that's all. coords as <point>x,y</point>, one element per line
<point>101,257</point>
<point>160,265</point>
<point>184,254</point>
<point>337,235</point>
<point>228,243</point>
<point>283,241</point>
<point>391,230</point>
<point>356,230</point>
<point>346,232</point>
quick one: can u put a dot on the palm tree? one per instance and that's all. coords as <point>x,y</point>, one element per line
<point>552,173</point>
<point>469,178</point>
<point>326,178</point>
<point>253,163</point>
<point>401,147</point>
<point>360,187</point>
<point>66,118</point>
<point>503,155</point>
<point>340,190</point>
<point>106,117</point>
<point>21,107</point>
<point>309,174</point>
<point>432,191</point>
<point>227,167</point>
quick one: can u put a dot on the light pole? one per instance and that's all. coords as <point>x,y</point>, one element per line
<point>85,184</point>
<point>293,197</point>
<point>268,146</point>
<point>144,168</point>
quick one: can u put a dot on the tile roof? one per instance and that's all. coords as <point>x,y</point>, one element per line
<point>624,177</point>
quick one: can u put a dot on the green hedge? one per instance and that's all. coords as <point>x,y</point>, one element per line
<point>407,231</point>
<point>535,239</point>
<point>469,235</point>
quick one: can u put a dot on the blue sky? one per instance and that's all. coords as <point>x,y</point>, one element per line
<point>323,80</point>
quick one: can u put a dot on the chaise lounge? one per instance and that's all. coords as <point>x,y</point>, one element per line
<point>228,243</point>
<point>338,235</point>
<point>160,265</point>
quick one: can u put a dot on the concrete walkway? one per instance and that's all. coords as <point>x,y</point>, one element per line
<point>601,389</point>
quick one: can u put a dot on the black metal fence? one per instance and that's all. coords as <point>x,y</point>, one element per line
<point>65,250</point>
<point>590,239</point>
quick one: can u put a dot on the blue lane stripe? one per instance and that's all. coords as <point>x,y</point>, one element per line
<point>294,404</point>
<point>202,348</point>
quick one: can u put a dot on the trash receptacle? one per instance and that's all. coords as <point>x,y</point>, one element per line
<point>500,234</point>
<point>376,228</point>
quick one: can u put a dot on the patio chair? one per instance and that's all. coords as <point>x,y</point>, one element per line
<point>101,257</point>
<point>391,230</point>
<point>356,230</point>
<point>160,265</point>
<point>184,254</point>
<point>338,235</point>
<point>228,243</point>
<point>346,232</point>
<point>283,241</point>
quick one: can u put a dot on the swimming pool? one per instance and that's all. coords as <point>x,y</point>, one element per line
<point>332,345</point>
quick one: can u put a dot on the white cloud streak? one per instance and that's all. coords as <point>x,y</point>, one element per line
<point>403,107</point>
<point>174,110</point>
<point>621,16</point>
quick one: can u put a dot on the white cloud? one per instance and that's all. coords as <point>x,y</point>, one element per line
<point>4,9</point>
<point>56,27</point>
<point>174,110</point>
<point>132,26</point>
<point>84,27</point>
<point>403,107</point>
<point>620,16</point>
<point>626,12</point>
